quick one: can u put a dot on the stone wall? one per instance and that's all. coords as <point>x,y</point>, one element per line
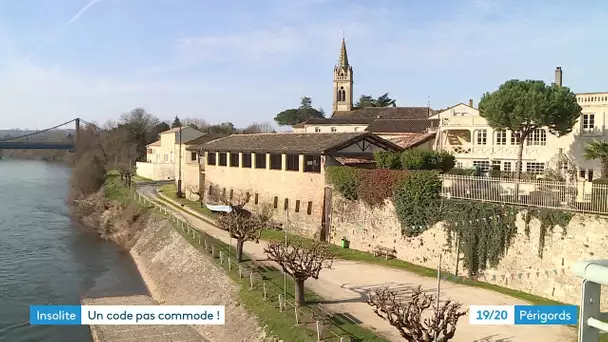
<point>293,192</point>
<point>177,274</point>
<point>522,269</point>
<point>161,171</point>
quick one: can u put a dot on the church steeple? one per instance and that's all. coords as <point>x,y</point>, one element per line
<point>343,62</point>
<point>343,82</point>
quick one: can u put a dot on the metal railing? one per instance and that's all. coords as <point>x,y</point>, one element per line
<point>576,196</point>
<point>591,319</point>
<point>314,317</point>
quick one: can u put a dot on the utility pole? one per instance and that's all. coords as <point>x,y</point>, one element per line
<point>179,174</point>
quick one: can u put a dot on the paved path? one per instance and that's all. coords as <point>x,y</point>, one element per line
<point>136,333</point>
<point>344,287</point>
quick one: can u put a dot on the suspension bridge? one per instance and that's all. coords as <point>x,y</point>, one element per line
<point>27,142</point>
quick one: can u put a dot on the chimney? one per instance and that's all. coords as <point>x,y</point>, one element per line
<point>558,76</point>
<point>471,103</point>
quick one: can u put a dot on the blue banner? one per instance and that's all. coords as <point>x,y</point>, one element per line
<point>546,314</point>
<point>55,315</point>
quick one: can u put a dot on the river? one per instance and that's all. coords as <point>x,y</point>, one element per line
<point>48,258</point>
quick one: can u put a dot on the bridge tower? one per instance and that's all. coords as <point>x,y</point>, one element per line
<point>77,123</point>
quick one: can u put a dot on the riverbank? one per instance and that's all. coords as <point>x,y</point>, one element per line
<point>173,270</point>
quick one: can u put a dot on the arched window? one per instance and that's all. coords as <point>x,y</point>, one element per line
<point>342,94</point>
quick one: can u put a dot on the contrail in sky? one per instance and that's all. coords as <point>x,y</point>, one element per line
<point>65,25</point>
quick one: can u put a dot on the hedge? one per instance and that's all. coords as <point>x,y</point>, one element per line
<point>415,159</point>
<point>372,186</point>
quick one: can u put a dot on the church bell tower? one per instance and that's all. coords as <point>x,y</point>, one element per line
<point>343,83</point>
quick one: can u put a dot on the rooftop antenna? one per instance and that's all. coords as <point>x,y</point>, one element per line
<point>428,107</point>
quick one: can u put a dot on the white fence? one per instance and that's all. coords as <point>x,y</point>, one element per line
<point>577,196</point>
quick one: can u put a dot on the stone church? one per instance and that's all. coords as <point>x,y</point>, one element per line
<point>405,126</point>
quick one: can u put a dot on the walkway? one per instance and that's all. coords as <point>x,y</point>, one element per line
<point>344,287</point>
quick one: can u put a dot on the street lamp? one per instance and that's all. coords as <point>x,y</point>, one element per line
<point>179,172</point>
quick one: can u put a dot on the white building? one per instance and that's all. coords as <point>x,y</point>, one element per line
<point>161,155</point>
<point>463,132</point>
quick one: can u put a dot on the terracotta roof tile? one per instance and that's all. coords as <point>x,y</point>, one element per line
<point>287,142</point>
<point>354,160</point>
<point>402,125</point>
<point>193,143</point>
<point>339,121</point>
<point>410,140</point>
<point>387,113</point>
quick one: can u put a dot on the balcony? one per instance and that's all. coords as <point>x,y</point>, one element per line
<point>593,132</point>
<point>464,121</point>
<point>496,151</point>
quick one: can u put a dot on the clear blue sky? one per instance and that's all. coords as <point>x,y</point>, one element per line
<point>244,61</point>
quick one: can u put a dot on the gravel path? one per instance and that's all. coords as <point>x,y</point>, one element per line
<point>344,287</point>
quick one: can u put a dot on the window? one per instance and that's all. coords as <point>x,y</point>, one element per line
<point>223,160</point>
<point>286,204</point>
<point>534,167</point>
<point>309,209</point>
<point>193,156</point>
<point>224,192</point>
<point>297,206</point>
<point>256,198</point>
<point>210,189</point>
<point>293,162</point>
<point>501,137</point>
<point>246,159</point>
<point>496,165</point>
<point>537,138</point>
<point>276,202</point>
<point>333,129</point>
<point>234,159</point>
<point>231,193</point>
<point>317,129</point>
<point>482,137</point>
<point>166,157</point>
<point>506,166</point>
<point>211,158</point>
<point>260,160</point>
<point>312,164</point>
<point>276,161</point>
<point>150,151</point>
<point>341,94</point>
<point>514,138</point>
<point>586,173</point>
<point>588,121</point>
<point>484,165</point>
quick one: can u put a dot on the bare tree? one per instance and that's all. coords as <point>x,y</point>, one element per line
<point>407,316</point>
<point>141,127</point>
<point>198,191</point>
<point>242,224</point>
<point>196,123</point>
<point>259,128</point>
<point>90,162</point>
<point>122,153</point>
<point>300,260</point>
